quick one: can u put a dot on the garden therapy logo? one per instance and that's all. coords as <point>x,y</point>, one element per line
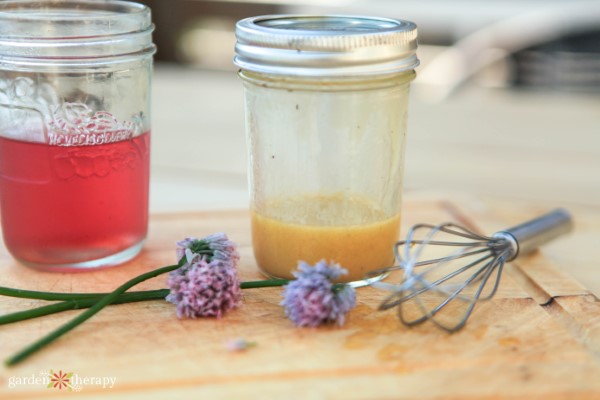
<point>62,380</point>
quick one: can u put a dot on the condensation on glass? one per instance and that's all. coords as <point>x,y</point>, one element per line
<point>326,107</point>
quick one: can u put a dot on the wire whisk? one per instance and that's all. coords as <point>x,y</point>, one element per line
<point>447,268</point>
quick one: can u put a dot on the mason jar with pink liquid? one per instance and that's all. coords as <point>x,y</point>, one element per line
<point>74,131</point>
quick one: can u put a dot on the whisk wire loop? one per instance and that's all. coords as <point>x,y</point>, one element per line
<point>488,269</point>
<point>478,250</point>
<point>439,288</point>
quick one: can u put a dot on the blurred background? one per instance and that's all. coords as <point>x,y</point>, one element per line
<point>503,86</point>
<point>533,43</point>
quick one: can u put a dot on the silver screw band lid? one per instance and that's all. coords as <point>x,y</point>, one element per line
<point>334,45</point>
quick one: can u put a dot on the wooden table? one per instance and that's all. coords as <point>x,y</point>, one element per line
<point>539,338</point>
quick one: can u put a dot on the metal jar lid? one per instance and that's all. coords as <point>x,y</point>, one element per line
<point>335,45</point>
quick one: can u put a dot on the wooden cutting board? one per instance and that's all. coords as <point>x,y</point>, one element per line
<point>539,338</point>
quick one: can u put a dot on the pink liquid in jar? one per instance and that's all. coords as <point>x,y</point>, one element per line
<point>69,205</point>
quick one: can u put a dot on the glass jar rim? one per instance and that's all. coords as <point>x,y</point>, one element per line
<point>125,16</point>
<point>33,31</point>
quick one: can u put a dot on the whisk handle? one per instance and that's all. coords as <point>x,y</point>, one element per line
<point>532,234</point>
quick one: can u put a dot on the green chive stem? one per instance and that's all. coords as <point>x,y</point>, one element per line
<point>81,304</point>
<point>99,305</point>
<point>74,301</point>
<point>265,283</point>
<point>32,294</point>
<point>39,295</point>
<point>96,304</point>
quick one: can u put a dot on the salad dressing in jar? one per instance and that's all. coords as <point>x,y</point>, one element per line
<point>326,107</point>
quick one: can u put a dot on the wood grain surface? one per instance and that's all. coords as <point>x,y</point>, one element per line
<point>539,338</point>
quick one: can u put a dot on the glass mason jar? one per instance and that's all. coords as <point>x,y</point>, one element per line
<point>74,131</point>
<point>326,107</point>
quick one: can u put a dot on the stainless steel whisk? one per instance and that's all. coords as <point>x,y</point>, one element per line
<point>444,288</point>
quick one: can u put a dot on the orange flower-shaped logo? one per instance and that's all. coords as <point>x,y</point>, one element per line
<point>60,380</point>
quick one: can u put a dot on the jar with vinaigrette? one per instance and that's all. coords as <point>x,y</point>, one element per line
<point>74,131</point>
<point>326,107</point>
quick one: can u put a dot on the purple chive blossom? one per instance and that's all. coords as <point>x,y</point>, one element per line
<point>184,245</point>
<point>204,289</point>
<point>312,299</point>
<point>218,245</point>
<point>207,285</point>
